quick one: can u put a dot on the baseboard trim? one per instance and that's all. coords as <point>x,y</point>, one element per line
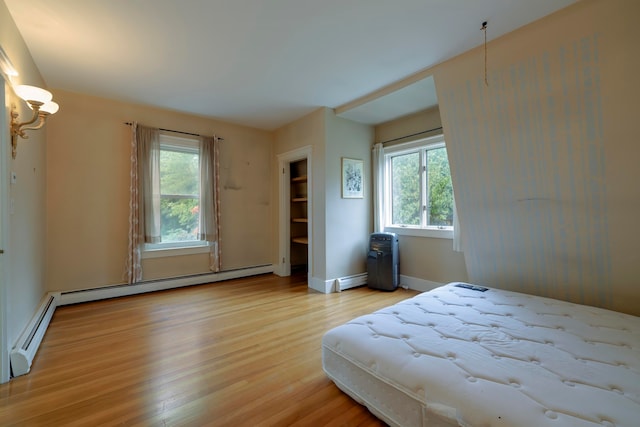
<point>321,285</point>
<point>417,284</point>
<point>95,294</point>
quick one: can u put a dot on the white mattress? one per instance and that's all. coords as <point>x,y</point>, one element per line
<point>457,356</point>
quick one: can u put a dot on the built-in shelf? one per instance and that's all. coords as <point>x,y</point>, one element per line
<point>298,213</point>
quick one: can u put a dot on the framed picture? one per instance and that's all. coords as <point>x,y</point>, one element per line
<point>352,178</point>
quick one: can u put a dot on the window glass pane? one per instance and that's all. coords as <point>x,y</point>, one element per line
<point>440,190</point>
<point>179,196</point>
<point>179,173</point>
<point>405,189</point>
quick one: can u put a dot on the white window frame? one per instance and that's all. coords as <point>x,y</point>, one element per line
<point>166,249</point>
<point>422,145</point>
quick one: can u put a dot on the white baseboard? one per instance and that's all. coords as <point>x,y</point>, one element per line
<point>321,285</point>
<point>347,282</point>
<point>95,294</point>
<point>25,349</point>
<point>418,284</point>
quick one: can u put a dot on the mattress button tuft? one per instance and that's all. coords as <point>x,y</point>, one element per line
<point>607,423</point>
<point>551,415</point>
<point>472,379</point>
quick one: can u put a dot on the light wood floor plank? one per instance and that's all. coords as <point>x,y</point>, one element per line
<point>243,352</point>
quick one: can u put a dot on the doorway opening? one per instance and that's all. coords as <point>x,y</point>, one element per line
<point>296,213</point>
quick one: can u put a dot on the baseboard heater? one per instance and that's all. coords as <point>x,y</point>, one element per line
<point>24,352</point>
<point>349,282</point>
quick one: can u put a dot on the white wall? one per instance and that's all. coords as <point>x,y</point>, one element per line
<point>24,256</point>
<point>348,221</point>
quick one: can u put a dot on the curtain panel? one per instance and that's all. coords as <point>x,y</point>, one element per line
<point>144,197</point>
<point>378,188</point>
<point>209,198</point>
<point>149,173</point>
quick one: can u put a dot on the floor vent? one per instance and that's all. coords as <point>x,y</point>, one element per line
<point>23,353</point>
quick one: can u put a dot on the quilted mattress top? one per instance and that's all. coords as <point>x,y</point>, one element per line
<point>502,358</point>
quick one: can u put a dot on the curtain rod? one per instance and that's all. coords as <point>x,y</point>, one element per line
<point>176,131</point>
<point>413,134</point>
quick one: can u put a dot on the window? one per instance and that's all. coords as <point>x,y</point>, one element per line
<point>179,193</point>
<point>418,189</point>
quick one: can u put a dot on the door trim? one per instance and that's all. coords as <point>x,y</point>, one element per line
<point>5,372</point>
<point>283,266</point>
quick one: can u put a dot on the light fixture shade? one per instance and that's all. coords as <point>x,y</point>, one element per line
<point>33,93</point>
<point>50,107</point>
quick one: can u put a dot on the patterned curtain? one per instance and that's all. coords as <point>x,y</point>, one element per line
<point>144,201</point>
<point>133,266</point>
<point>209,198</point>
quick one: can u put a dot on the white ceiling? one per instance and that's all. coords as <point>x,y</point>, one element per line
<point>260,63</point>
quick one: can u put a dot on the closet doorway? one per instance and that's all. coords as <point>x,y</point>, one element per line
<point>295,222</point>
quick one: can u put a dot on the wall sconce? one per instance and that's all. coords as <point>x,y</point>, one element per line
<point>39,100</point>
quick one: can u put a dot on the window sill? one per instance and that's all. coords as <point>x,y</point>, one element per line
<point>421,232</point>
<point>157,251</point>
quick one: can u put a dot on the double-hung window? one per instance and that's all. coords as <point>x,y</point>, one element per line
<point>418,190</point>
<point>179,193</point>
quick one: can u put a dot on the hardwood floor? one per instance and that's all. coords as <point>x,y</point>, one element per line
<point>243,352</point>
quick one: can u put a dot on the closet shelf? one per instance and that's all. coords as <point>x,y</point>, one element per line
<point>301,240</point>
<point>299,220</point>
<point>299,199</point>
<point>302,178</point>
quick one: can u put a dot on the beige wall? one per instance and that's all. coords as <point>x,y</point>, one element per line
<point>306,131</point>
<point>340,226</point>
<point>425,258</point>
<point>88,193</point>
<point>24,258</point>
<point>555,135</point>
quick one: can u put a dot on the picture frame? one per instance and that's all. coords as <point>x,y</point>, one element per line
<point>352,178</point>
